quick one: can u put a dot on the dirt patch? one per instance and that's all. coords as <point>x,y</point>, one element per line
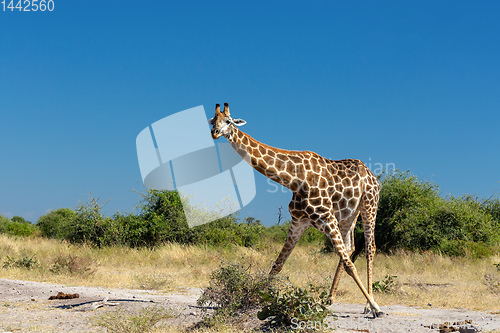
<point>25,306</point>
<point>401,318</point>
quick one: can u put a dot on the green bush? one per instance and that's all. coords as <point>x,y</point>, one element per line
<point>53,224</point>
<point>278,233</point>
<point>226,231</point>
<point>164,217</point>
<point>289,305</point>
<point>86,224</point>
<point>19,229</point>
<point>24,262</point>
<point>385,286</point>
<point>233,289</point>
<point>17,226</point>
<point>402,196</point>
<point>3,220</point>
<point>19,219</point>
<point>90,226</point>
<point>132,230</point>
<point>160,219</point>
<point>413,216</point>
<point>492,206</point>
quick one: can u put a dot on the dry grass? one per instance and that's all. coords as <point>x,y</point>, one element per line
<point>142,321</point>
<point>220,329</point>
<point>421,278</point>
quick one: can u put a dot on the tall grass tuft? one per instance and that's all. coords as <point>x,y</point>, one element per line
<point>142,322</point>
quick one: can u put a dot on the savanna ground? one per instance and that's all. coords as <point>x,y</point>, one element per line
<point>426,280</point>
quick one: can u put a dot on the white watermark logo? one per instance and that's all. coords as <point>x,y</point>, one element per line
<point>370,325</point>
<point>178,153</point>
<point>381,168</point>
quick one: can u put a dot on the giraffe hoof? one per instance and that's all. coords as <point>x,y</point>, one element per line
<point>378,314</point>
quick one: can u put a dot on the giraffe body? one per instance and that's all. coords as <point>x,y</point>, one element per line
<point>328,195</point>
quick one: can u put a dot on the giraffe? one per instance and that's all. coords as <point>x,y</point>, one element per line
<point>328,195</point>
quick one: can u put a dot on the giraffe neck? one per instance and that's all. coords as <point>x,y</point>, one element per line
<point>285,167</point>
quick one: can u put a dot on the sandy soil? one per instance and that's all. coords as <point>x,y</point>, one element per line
<point>25,307</point>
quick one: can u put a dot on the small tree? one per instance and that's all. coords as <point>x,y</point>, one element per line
<point>53,224</point>
<point>20,219</point>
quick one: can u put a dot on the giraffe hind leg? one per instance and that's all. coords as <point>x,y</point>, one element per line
<point>369,214</point>
<point>335,237</point>
<point>370,253</point>
<point>336,281</point>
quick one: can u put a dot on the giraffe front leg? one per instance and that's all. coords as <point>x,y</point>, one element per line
<point>336,239</point>
<point>296,230</point>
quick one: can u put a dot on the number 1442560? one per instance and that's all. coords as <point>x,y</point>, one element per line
<point>27,5</point>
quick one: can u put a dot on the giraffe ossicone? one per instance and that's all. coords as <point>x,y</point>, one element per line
<point>327,194</point>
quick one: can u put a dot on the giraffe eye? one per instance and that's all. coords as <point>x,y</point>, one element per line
<point>228,122</point>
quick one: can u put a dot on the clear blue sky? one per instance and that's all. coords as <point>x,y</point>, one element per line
<point>415,83</point>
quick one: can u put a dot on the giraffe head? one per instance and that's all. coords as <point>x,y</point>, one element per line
<point>222,123</point>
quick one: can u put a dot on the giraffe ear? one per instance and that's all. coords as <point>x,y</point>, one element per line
<point>239,122</point>
<point>210,121</point>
